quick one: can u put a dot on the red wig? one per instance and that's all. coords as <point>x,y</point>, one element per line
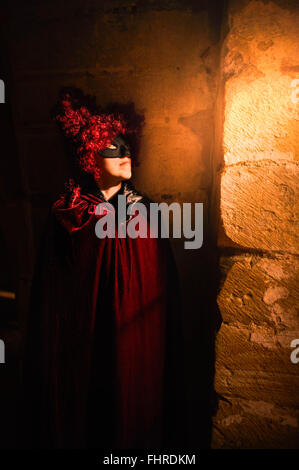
<point>87,127</point>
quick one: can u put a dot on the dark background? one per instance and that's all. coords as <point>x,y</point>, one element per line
<point>177,62</point>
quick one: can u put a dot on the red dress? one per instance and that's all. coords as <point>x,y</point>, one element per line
<point>103,359</point>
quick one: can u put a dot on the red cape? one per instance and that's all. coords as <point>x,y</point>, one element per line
<point>103,358</point>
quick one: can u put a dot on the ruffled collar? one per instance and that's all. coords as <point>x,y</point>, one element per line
<point>127,189</point>
<point>75,194</point>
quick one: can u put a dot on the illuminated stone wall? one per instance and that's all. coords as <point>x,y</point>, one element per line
<point>256,382</point>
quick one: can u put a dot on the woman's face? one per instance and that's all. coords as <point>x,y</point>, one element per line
<point>114,169</point>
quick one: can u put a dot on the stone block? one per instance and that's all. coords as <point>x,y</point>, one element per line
<point>278,387</point>
<point>259,65</point>
<point>255,424</point>
<point>261,292</point>
<point>259,205</point>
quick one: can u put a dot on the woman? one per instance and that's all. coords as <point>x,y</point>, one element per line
<point>103,358</point>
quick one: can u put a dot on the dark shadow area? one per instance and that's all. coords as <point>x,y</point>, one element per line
<point>11,193</point>
<point>199,280</point>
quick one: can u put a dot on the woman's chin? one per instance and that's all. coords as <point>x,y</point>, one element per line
<point>126,175</point>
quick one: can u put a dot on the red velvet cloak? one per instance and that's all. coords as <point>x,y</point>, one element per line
<point>103,358</point>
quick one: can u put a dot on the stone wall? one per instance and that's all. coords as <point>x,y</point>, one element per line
<point>257,189</point>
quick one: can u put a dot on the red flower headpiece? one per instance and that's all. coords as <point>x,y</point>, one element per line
<point>88,129</point>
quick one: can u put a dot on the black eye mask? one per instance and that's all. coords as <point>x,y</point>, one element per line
<point>122,149</point>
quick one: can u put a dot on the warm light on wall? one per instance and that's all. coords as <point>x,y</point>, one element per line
<point>260,119</point>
